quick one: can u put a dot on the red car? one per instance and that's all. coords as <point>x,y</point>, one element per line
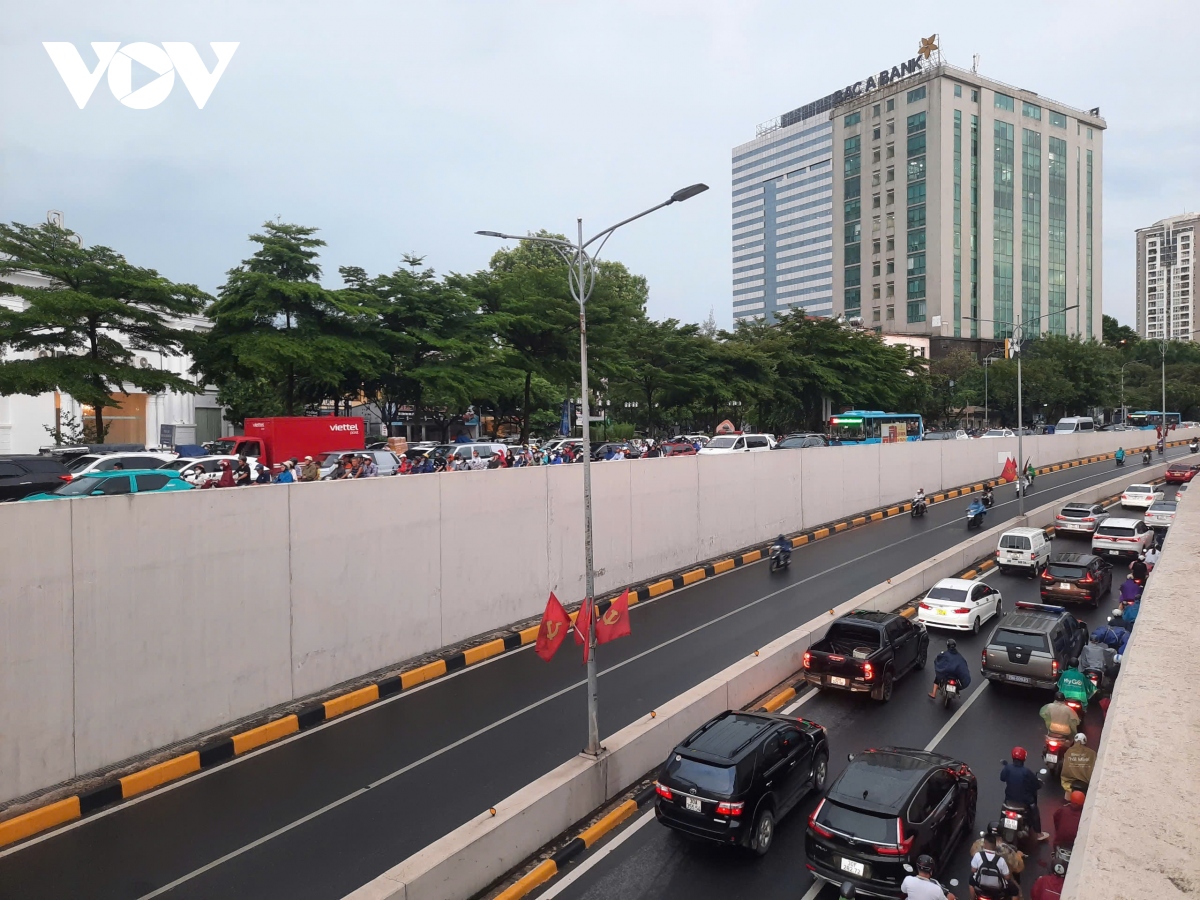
<point>678,448</point>
<point>1181,473</point>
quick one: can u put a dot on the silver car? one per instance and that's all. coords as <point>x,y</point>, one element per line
<point>387,461</point>
<point>1161,514</point>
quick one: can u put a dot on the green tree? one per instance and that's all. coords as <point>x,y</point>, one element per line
<point>96,313</point>
<point>1115,333</point>
<point>662,366</point>
<point>274,324</point>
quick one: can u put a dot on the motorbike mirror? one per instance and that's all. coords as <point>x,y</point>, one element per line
<point>908,868</point>
<point>850,757</point>
<point>953,882</point>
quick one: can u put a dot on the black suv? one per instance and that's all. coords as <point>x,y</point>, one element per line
<point>1076,577</point>
<point>21,476</point>
<point>888,807</point>
<point>734,778</point>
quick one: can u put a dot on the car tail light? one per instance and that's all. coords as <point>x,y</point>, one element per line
<point>663,791</point>
<point>1089,519</point>
<point>1054,667</point>
<point>812,822</point>
<point>66,477</point>
<point>983,662</point>
<point>997,552</point>
<point>807,660</point>
<point>729,809</point>
<point>962,610</point>
<point>868,671</point>
<point>902,846</point>
<point>1046,576</point>
<point>925,605</point>
<point>1087,579</point>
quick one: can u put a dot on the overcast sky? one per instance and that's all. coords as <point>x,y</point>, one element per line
<point>402,127</point>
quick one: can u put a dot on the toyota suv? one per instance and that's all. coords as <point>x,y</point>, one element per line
<point>735,777</point>
<point>1033,645</point>
<point>887,808</point>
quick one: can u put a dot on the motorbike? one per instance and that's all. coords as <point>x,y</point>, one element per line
<point>1014,823</point>
<point>975,519</point>
<point>1079,707</point>
<point>1146,458</point>
<point>918,508</point>
<point>988,499</point>
<point>1120,461</point>
<point>1054,748</point>
<point>948,692</point>
<point>779,559</point>
<point>1194,447</point>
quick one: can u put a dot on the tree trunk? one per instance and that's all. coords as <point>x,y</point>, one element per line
<point>99,408</point>
<point>290,403</point>
<point>99,424</point>
<point>649,412</point>
<point>525,410</point>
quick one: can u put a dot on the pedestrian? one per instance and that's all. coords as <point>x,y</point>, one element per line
<point>226,478</point>
<point>242,475</point>
<point>310,471</point>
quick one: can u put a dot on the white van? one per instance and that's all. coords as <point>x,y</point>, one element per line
<point>1023,548</point>
<point>737,443</point>
<point>1075,425</point>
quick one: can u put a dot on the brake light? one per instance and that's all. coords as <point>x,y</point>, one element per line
<point>1053,744</point>
<point>983,662</point>
<point>962,610</point>
<point>1054,667</point>
<point>807,659</point>
<point>1046,576</point>
<point>902,846</point>
<point>729,809</point>
<point>662,791</point>
<point>1089,519</point>
<point>812,822</point>
<point>1087,579</point>
<point>66,477</point>
<point>868,671</point>
<point>925,605</point>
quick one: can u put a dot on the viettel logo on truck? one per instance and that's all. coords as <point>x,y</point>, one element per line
<point>352,428</point>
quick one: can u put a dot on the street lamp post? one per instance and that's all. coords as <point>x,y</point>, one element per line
<point>581,265</point>
<point>1124,415</point>
<point>990,358</point>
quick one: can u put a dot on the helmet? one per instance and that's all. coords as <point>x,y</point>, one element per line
<point>1059,869</point>
<point>1059,695</point>
<point>924,863</point>
<point>992,832</point>
<point>1074,662</point>
<point>1077,798</point>
<point>1019,754</point>
<point>951,644</point>
<point>1081,738</point>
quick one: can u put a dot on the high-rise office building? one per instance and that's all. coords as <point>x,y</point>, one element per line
<point>1165,265</point>
<point>963,206</point>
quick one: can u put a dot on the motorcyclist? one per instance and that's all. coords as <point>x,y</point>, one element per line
<point>1096,656</point>
<point>950,664</point>
<point>990,874</point>
<point>1060,719</point>
<point>1030,472</point>
<point>784,546</point>
<point>1049,887</point>
<point>1139,570</point>
<point>1146,458</point>
<point>1114,637</point>
<point>988,499</point>
<point>1129,613</point>
<point>1120,456</point>
<point>1066,821</point>
<point>1077,767</point>
<point>1194,446</point>
<point>1130,589</point>
<point>1074,685</point>
<point>1021,789</point>
<point>1152,556</point>
<point>976,508</point>
<point>919,499</point>
<point>922,886</point>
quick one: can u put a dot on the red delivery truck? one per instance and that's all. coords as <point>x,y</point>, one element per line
<point>274,441</point>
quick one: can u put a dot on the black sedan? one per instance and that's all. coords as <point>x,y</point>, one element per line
<point>888,807</point>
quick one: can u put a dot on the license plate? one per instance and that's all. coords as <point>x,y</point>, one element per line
<point>951,689</point>
<point>854,868</point>
<point>839,682</point>
<point>941,612</point>
<point>1064,586</point>
<point>1020,679</point>
<point>693,804</point>
<point>1051,757</point>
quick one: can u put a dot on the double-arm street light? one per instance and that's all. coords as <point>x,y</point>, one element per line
<point>581,265</point>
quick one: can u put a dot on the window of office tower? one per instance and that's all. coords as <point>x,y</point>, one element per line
<point>1031,229</point>
<point>1056,269</point>
<point>916,218</point>
<point>957,216</point>
<point>852,164</point>
<point>1002,229</point>
<point>1089,241</point>
<point>974,197</point>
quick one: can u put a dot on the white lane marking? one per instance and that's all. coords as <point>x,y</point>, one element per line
<point>817,886</point>
<point>937,738</point>
<point>788,710</point>
<point>595,857</point>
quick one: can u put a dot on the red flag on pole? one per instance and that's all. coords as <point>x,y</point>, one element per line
<point>583,627</point>
<point>1010,471</point>
<point>553,629</point>
<point>615,622</point>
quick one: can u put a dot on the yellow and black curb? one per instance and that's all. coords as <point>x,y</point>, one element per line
<point>213,753</point>
<point>584,841</point>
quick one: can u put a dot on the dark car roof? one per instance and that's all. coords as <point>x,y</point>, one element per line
<point>727,737</point>
<point>883,781</point>
<point>1075,559</point>
<point>34,462</point>
<point>868,615</point>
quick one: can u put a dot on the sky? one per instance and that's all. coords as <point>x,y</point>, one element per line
<point>404,127</point>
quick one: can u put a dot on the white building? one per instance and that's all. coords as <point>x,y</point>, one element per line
<point>1165,297</point>
<point>24,419</point>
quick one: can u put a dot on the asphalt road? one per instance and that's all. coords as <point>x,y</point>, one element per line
<point>647,861</point>
<point>326,811</point>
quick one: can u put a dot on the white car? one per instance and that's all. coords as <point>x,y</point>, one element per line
<point>1140,496</point>
<point>202,469</point>
<point>1161,514</point>
<point>106,462</point>
<point>1121,538</point>
<point>960,605</point>
<point>999,433</point>
<point>737,443</point>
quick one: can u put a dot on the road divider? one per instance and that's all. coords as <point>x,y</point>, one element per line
<point>483,850</point>
<point>208,753</point>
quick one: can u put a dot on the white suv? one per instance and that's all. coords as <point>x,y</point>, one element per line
<point>1121,538</point>
<point>737,443</point>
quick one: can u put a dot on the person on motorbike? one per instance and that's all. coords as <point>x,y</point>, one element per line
<point>950,664</point>
<point>1096,656</point>
<point>1129,612</point>
<point>1021,789</point>
<point>1066,821</point>
<point>1030,472</point>
<point>922,886</point>
<point>919,499</point>
<point>1060,719</point>
<point>1194,446</point>
<point>1131,591</point>
<point>1139,570</point>
<point>1049,887</point>
<point>784,546</point>
<point>1077,767</point>
<point>990,875</point>
<point>1146,458</point>
<point>976,508</point>
<point>1116,638</point>
<point>1074,685</point>
<point>1152,556</point>
<point>1120,456</point>
<point>988,499</point>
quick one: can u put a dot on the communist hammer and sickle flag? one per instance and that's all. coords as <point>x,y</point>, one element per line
<point>552,630</point>
<point>615,621</point>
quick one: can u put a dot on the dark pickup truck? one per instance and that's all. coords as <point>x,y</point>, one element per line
<point>866,651</point>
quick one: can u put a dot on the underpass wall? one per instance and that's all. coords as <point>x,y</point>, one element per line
<point>132,623</point>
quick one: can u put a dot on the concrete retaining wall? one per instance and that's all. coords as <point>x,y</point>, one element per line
<point>130,623</point>
<point>471,857</point>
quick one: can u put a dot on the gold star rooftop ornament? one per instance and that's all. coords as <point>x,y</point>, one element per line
<point>928,46</point>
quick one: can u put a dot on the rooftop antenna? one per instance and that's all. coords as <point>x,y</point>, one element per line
<point>975,63</point>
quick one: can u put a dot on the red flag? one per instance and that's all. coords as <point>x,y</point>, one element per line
<point>583,627</point>
<point>615,622</point>
<point>553,629</point>
<point>1010,470</point>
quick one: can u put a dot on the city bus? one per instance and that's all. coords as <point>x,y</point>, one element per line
<point>1150,419</point>
<point>872,426</point>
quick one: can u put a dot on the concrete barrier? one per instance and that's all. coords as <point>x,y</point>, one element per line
<point>476,854</point>
<point>131,623</point>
